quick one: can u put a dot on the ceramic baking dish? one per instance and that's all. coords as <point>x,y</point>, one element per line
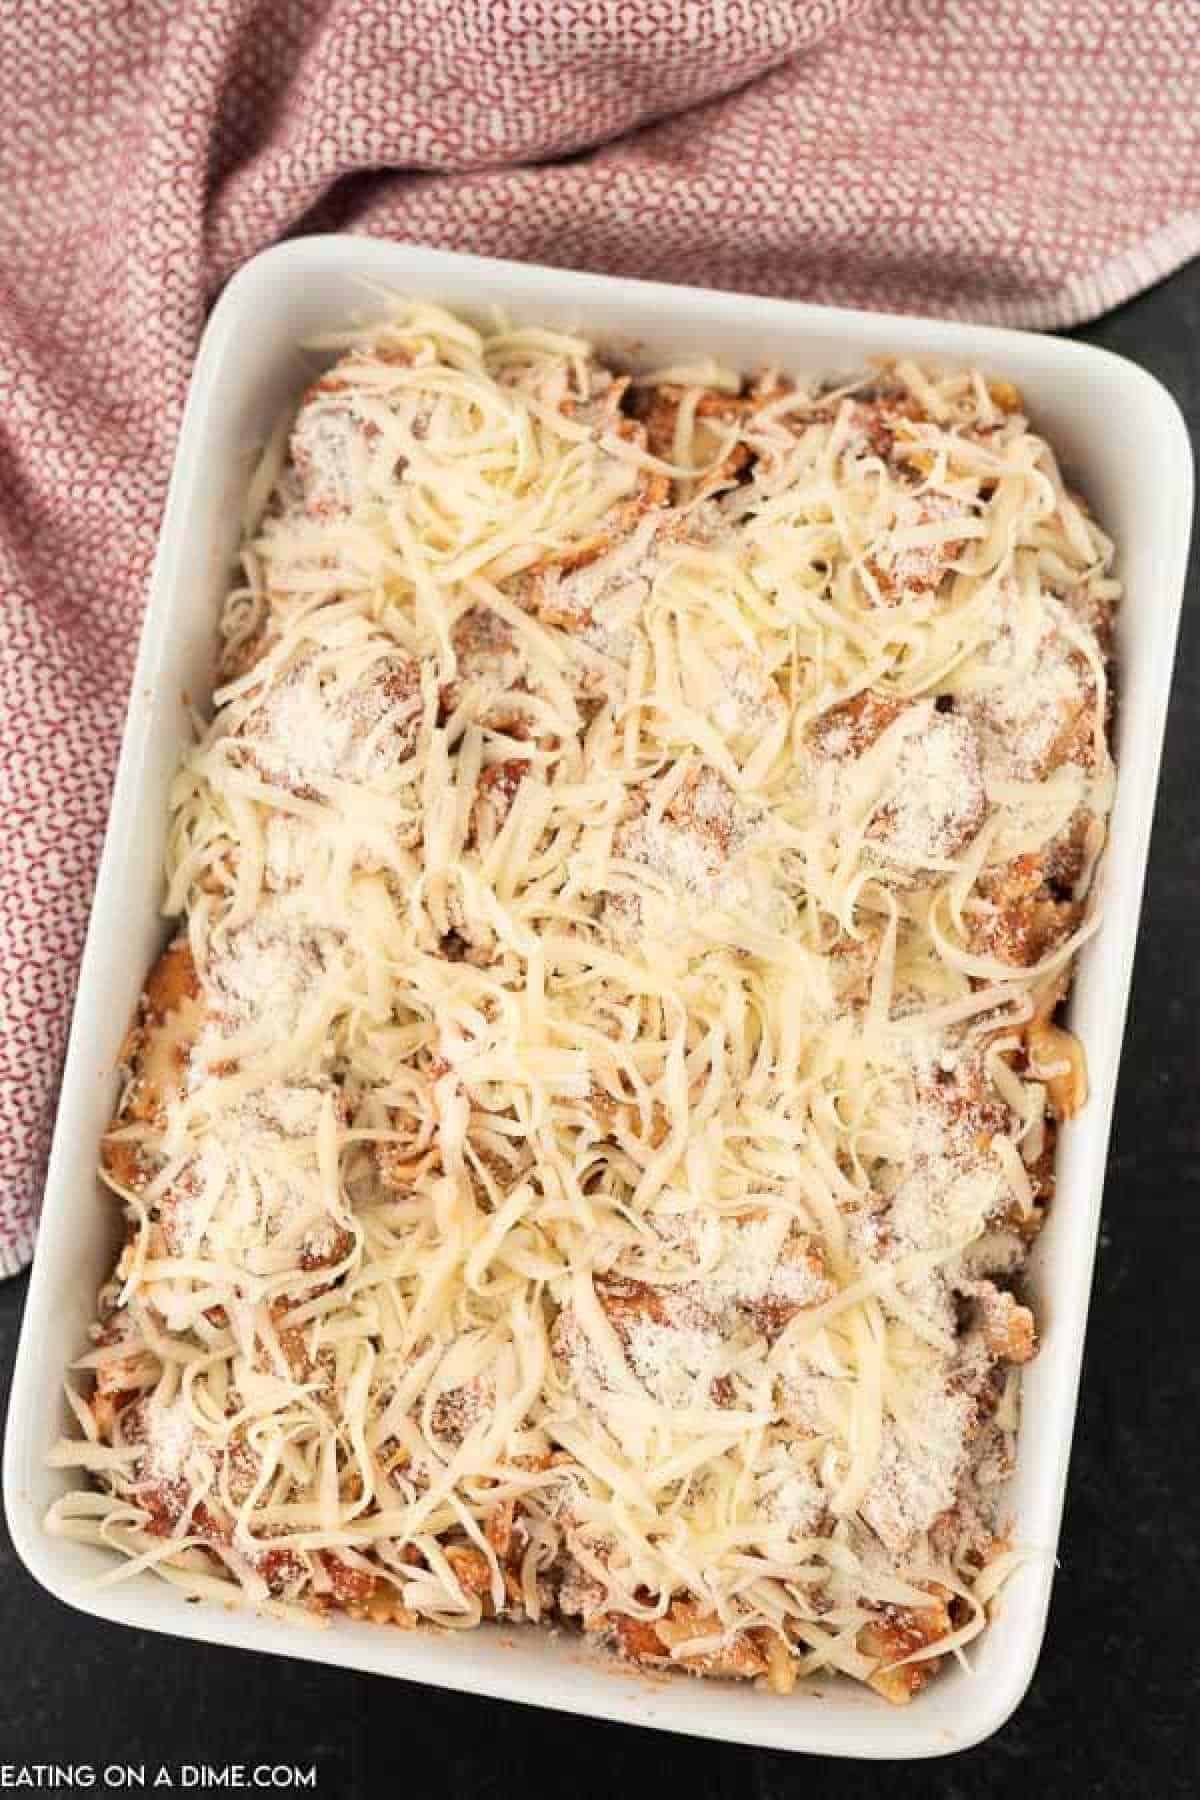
<point>1123,441</point>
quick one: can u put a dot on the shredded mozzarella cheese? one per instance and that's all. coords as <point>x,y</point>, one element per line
<point>577,1150</point>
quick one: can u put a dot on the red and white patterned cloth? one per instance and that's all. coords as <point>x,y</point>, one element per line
<point>1031,163</point>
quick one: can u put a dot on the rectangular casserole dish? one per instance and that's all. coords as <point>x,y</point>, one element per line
<point>1124,445</point>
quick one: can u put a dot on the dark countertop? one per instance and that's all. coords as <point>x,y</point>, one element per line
<point>1113,1707</point>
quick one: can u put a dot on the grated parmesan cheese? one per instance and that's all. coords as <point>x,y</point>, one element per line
<point>577,1157</point>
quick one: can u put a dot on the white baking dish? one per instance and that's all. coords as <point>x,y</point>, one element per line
<point>1119,434</point>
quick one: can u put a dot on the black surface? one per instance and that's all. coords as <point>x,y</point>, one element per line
<point>1115,1704</point>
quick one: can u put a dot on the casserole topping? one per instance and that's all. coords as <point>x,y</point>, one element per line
<point>579,1147</point>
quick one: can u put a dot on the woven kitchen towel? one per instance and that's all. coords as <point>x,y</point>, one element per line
<point>1031,162</point>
